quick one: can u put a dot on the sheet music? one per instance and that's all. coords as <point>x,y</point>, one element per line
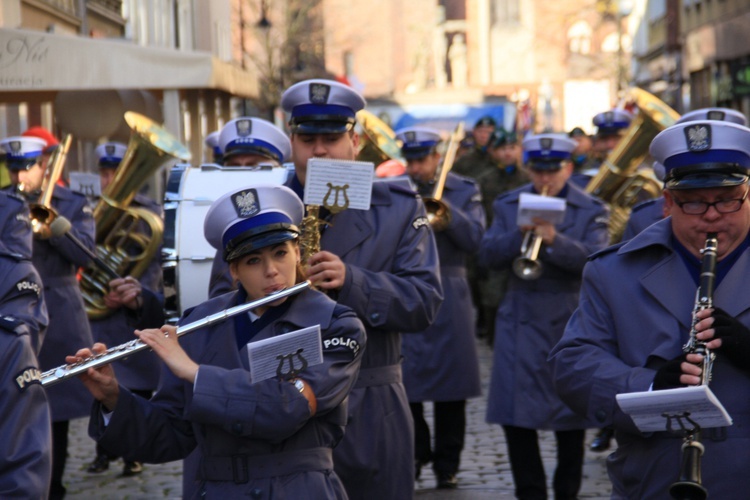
<point>86,183</point>
<point>346,184</point>
<point>648,409</point>
<point>531,205</point>
<point>264,355</point>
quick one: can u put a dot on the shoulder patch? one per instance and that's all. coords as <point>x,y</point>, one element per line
<point>28,376</point>
<point>420,222</point>
<point>28,286</point>
<point>605,251</point>
<point>336,343</point>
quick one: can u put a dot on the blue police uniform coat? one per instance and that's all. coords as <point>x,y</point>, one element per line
<point>24,298</point>
<point>636,308</point>
<point>643,215</point>
<point>533,313</point>
<point>432,358</point>
<point>393,284</point>
<point>136,372</point>
<point>26,457</point>
<point>57,259</point>
<point>25,424</point>
<point>253,439</point>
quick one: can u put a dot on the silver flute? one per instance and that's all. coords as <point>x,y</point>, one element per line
<point>64,372</point>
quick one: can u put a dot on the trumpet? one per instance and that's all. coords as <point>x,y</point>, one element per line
<point>42,214</point>
<point>438,213</point>
<point>689,484</point>
<point>527,266</point>
<point>64,372</point>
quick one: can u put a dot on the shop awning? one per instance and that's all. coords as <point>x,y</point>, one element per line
<point>36,61</point>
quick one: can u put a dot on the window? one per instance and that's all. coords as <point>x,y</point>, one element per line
<point>579,38</point>
<point>507,11</point>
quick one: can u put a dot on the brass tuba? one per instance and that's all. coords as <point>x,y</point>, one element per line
<point>438,213</point>
<point>619,181</point>
<point>377,140</point>
<point>42,214</point>
<point>120,238</point>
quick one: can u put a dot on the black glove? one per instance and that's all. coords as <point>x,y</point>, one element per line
<point>668,376</point>
<point>735,339</point>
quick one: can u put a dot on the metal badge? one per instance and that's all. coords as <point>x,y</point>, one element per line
<point>546,144</point>
<point>698,137</point>
<point>244,127</point>
<point>246,203</point>
<point>319,93</point>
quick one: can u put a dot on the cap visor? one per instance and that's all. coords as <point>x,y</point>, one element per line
<point>260,241</point>
<point>321,127</point>
<point>707,180</point>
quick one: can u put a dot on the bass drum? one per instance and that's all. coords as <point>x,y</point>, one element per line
<point>187,257</point>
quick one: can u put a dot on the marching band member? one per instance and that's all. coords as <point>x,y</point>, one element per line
<point>382,263</point>
<point>532,317</point>
<point>432,358</point>
<point>646,213</point>
<point>134,303</point>
<point>57,259</point>
<point>635,314</point>
<point>269,439</point>
<point>246,142</point>
<point>25,424</point>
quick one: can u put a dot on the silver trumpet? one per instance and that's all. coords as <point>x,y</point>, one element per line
<point>64,372</point>
<point>527,265</point>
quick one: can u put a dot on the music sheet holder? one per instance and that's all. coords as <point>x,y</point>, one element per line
<point>549,208</point>
<point>673,409</point>
<point>285,356</point>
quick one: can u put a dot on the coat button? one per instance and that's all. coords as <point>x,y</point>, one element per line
<point>600,415</point>
<point>256,493</point>
<point>375,316</point>
<point>237,428</point>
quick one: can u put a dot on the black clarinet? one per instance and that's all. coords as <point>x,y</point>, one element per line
<point>689,486</point>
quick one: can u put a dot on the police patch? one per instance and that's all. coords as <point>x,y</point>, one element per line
<point>27,377</point>
<point>26,286</point>
<point>319,93</point>
<point>698,137</point>
<point>341,342</point>
<point>246,203</point>
<point>244,127</point>
<point>419,222</point>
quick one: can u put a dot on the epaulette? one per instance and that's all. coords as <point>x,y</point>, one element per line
<point>608,250</point>
<point>12,255</point>
<point>644,204</point>
<point>10,324</point>
<point>402,188</point>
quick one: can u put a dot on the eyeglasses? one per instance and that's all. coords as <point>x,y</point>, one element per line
<point>721,206</point>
